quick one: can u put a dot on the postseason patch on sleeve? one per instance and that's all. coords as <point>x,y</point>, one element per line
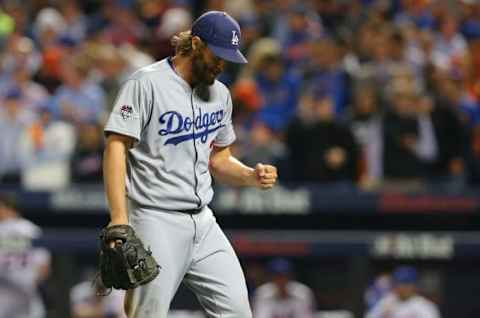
<point>126,111</point>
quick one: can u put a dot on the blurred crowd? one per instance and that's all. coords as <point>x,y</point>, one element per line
<point>363,93</point>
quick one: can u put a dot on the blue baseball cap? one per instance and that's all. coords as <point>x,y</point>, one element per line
<point>404,275</point>
<point>279,266</point>
<point>221,33</point>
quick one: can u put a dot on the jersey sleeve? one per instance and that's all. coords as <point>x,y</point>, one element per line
<point>131,110</point>
<point>226,135</point>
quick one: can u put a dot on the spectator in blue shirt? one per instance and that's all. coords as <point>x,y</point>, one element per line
<point>15,119</point>
<point>279,90</point>
<point>327,74</point>
<point>78,99</point>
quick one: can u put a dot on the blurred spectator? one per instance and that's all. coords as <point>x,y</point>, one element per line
<point>135,57</point>
<point>152,11</point>
<point>24,267</point>
<point>32,94</point>
<point>76,21</point>
<point>86,165</point>
<point>78,99</point>
<point>15,119</point>
<point>326,73</point>
<point>470,26</point>
<point>20,53</point>
<point>19,64</point>
<point>124,26</point>
<point>283,296</point>
<point>450,137</point>
<point>321,149</point>
<point>278,88</point>
<point>49,73</point>
<point>85,303</point>
<point>303,27</point>
<point>449,44</point>
<point>366,125</point>
<point>174,20</point>
<point>453,93</point>
<point>270,14</point>
<point>48,27</point>
<point>47,147</point>
<point>410,143</point>
<point>404,301</point>
<point>263,146</point>
<point>405,53</point>
<point>334,14</point>
<point>112,69</point>
<point>246,100</point>
<point>416,13</point>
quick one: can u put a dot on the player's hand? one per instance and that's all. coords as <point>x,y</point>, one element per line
<point>266,176</point>
<point>120,221</point>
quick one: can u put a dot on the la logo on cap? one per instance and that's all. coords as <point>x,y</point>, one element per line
<point>234,37</point>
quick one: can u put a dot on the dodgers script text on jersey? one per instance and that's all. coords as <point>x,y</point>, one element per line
<point>174,123</point>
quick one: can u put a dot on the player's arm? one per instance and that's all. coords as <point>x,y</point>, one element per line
<point>114,172</point>
<point>227,169</point>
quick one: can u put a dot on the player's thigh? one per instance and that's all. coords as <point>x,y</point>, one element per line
<point>217,278</point>
<point>171,245</point>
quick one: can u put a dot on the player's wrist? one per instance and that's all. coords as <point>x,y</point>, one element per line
<point>250,177</point>
<point>118,220</point>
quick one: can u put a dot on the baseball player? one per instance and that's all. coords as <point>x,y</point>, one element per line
<point>85,303</point>
<point>404,301</point>
<point>283,297</point>
<point>22,266</point>
<point>169,132</point>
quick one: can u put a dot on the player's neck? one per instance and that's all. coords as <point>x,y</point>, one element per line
<point>182,65</point>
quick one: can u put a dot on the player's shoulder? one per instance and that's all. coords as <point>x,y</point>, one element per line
<point>424,303</point>
<point>21,227</point>
<point>267,290</point>
<point>299,290</point>
<point>386,301</point>
<point>151,71</point>
<point>220,88</point>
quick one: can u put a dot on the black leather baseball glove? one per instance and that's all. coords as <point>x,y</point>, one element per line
<point>128,264</point>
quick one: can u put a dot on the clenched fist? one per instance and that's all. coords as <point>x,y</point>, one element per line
<point>266,176</point>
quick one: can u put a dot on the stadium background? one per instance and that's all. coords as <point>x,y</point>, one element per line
<point>369,108</point>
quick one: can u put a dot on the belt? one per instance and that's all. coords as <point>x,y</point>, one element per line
<point>192,211</point>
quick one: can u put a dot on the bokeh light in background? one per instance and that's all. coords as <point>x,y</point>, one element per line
<point>370,109</point>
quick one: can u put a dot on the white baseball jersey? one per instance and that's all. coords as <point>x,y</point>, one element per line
<point>175,132</point>
<point>20,266</point>
<point>414,307</point>
<point>298,304</point>
<point>84,295</point>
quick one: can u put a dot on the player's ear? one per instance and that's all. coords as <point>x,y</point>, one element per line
<point>196,43</point>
